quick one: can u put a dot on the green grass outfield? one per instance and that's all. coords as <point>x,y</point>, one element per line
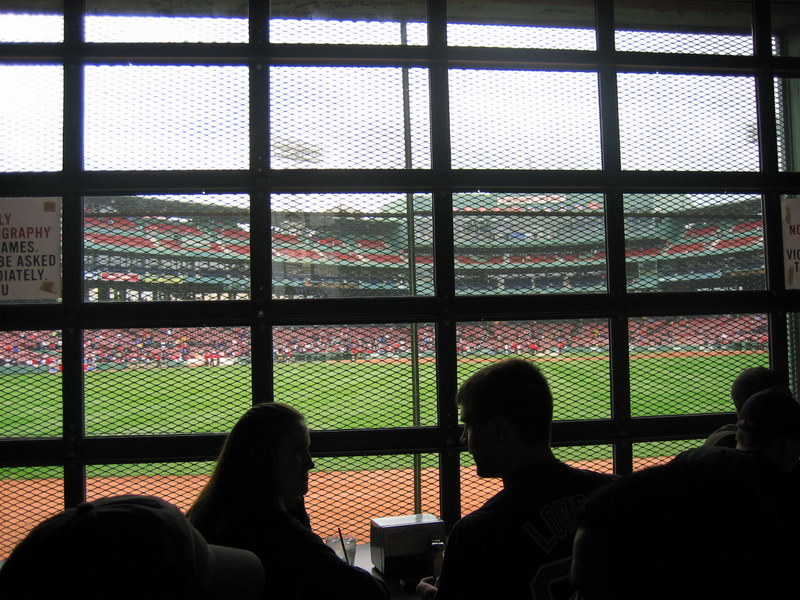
<point>353,394</point>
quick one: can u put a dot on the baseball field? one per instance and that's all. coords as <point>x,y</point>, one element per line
<point>354,394</point>
<point>349,394</point>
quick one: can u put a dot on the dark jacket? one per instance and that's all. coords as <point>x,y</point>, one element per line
<point>519,543</point>
<point>297,563</point>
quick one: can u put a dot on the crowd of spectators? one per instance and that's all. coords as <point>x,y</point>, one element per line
<point>230,345</point>
<point>129,347</point>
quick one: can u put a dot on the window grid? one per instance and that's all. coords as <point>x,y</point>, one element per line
<point>441,172</point>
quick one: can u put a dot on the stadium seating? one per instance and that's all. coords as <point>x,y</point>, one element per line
<point>111,223</point>
<point>173,229</point>
<point>376,244</point>
<point>171,244</point>
<point>385,261</point>
<point>238,249</point>
<point>298,254</point>
<point>285,238</point>
<point>236,234</point>
<point>328,241</point>
<point>686,248</point>
<point>642,252</point>
<point>701,232</point>
<point>738,242</point>
<point>747,226</point>
<point>385,258</point>
<point>344,256</point>
<point>109,239</point>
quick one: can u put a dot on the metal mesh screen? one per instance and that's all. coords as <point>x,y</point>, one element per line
<point>652,454</point>
<point>177,482</point>
<point>368,22</point>
<point>521,25</point>
<point>491,125</point>
<point>793,330</point>
<point>165,117</point>
<point>362,126</point>
<point>697,27</point>
<point>349,245</point>
<point>694,242</point>
<point>786,122</point>
<point>166,380</point>
<point>599,458</point>
<point>20,21</point>
<point>515,36</point>
<point>30,495</point>
<point>357,376</point>
<point>572,354</point>
<point>145,21</point>
<point>786,27</point>
<point>30,377</point>
<point>32,106</point>
<point>147,248</point>
<point>347,492</point>
<point>686,365</point>
<point>527,243</point>
<point>687,122</point>
<point>687,43</point>
<point>477,490</point>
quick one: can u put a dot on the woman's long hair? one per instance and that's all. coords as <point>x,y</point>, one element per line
<point>245,478</point>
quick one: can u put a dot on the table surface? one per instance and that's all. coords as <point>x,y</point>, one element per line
<point>364,560</point>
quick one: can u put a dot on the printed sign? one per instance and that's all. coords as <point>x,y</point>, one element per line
<point>790,209</point>
<point>30,255</point>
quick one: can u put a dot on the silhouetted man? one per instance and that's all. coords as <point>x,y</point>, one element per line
<point>747,383</point>
<point>519,543</point>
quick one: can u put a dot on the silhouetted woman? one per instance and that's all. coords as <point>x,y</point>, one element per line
<point>254,500</point>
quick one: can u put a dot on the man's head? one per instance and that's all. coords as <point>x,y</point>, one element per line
<point>679,531</point>
<point>127,547</point>
<point>507,410</point>
<point>769,423</point>
<point>756,379</point>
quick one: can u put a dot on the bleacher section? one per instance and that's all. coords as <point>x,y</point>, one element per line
<point>339,260</point>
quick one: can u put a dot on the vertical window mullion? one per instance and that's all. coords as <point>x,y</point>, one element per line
<point>444,274</point>
<point>779,349</point>
<point>260,237</point>
<point>72,252</point>
<point>769,159</point>
<point>447,384</point>
<point>621,392</point>
<point>615,233</point>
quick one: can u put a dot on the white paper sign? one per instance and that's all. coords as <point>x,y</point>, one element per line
<point>30,253</point>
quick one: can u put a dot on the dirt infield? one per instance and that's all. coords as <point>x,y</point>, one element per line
<point>337,498</point>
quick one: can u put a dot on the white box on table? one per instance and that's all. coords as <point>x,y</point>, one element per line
<point>401,546</point>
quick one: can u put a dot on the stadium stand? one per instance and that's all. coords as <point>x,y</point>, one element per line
<point>327,254</point>
<point>701,232</point>
<point>746,226</point>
